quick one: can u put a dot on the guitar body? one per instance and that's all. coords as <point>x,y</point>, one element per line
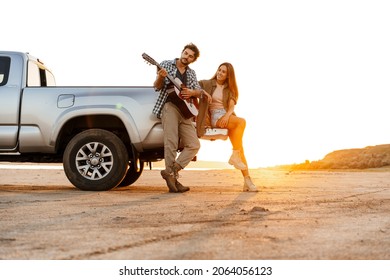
<point>188,107</point>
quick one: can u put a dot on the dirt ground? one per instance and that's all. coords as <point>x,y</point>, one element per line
<point>296,216</point>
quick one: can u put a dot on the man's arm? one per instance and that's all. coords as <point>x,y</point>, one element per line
<point>159,82</point>
<point>194,89</point>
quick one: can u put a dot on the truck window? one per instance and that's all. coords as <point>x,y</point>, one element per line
<point>50,80</point>
<point>38,75</point>
<point>33,76</point>
<point>4,69</point>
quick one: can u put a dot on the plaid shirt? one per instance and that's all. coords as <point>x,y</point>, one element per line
<point>170,66</point>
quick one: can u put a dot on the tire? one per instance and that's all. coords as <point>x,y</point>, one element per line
<point>95,160</point>
<point>132,175</point>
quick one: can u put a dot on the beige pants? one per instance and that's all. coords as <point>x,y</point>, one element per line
<point>178,129</point>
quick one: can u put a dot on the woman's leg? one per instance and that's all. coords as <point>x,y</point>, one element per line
<point>244,172</point>
<point>236,127</point>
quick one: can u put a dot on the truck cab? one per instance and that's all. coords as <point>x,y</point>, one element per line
<point>17,71</point>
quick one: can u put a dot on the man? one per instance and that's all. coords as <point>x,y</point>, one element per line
<point>177,124</point>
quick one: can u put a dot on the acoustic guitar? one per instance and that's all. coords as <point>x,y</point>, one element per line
<point>188,106</point>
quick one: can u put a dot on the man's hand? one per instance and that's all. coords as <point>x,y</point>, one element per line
<point>187,93</point>
<point>162,73</point>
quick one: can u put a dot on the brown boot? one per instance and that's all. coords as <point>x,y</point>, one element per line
<point>181,188</point>
<point>175,170</point>
<point>171,181</point>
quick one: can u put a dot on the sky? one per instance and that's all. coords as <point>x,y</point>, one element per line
<point>313,76</point>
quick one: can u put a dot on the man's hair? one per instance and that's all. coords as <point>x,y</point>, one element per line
<point>193,48</point>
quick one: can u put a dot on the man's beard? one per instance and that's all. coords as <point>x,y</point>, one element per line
<point>184,61</point>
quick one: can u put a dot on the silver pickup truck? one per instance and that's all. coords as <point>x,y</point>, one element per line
<point>102,135</point>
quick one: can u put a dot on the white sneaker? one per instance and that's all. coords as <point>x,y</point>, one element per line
<point>248,185</point>
<point>236,160</point>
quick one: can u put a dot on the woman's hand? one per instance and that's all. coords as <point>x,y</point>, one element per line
<point>224,121</point>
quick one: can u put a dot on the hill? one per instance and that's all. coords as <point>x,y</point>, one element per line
<point>368,157</point>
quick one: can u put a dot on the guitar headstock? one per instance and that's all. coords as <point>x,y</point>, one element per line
<point>150,60</point>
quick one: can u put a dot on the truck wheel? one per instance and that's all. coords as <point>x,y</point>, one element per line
<point>95,160</point>
<point>133,173</point>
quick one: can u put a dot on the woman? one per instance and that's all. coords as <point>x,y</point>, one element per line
<point>218,109</point>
